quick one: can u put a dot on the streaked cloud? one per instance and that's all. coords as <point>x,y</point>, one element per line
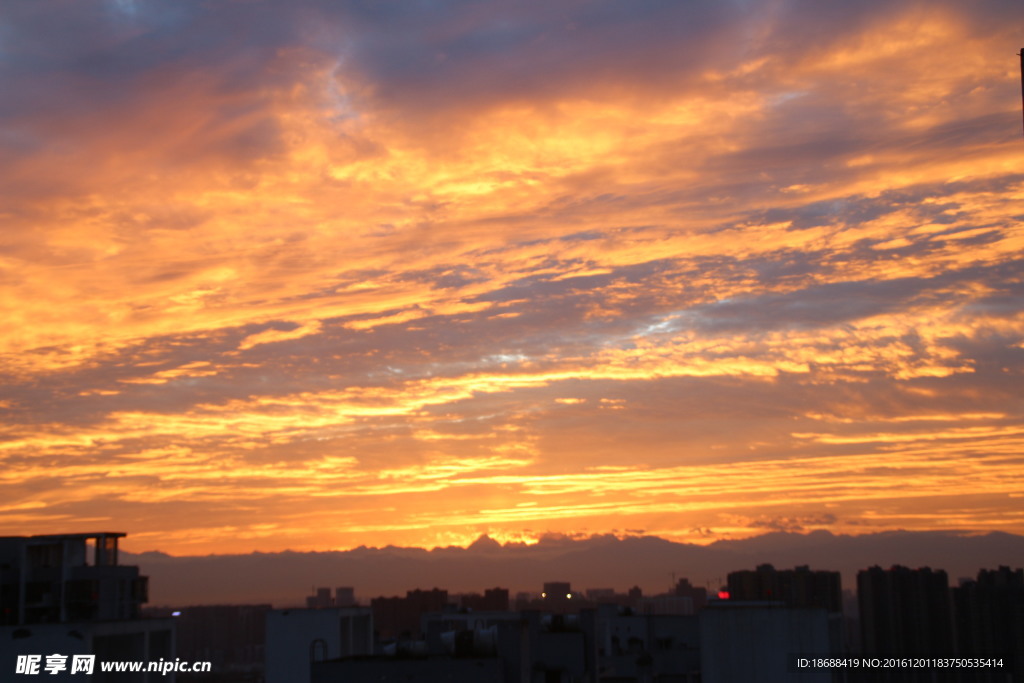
<point>327,274</point>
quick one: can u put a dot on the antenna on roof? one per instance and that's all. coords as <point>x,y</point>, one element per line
<point>1022,79</point>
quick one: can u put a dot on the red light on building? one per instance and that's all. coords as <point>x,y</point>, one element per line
<point>723,595</point>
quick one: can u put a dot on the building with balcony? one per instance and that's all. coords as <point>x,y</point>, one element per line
<point>67,577</point>
<point>67,595</point>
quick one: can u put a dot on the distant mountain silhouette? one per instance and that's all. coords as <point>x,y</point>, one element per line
<point>603,561</point>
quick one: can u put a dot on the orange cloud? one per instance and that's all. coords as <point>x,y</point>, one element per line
<point>528,267</point>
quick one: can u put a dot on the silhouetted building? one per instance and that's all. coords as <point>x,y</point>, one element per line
<point>493,600</point>
<point>663,605</point>
<point>558,597</point>
<point>751,641</point>
<point>557,590</point>
<point>904,612</point>
<point>799,587</point>
<point>345,596</point>
<point>989,617</point>
<point>231,637</point>
<point>697,594</point>
<point>500,636</point>
<point>641,647</point>
<point>400,617</point>
<point>408,669</point>
<point>67,595</point>
<point>296,638</point>
<point>557,647</point>
<point>68,577</point>
<point>320,599</point>
<point>467,648</point>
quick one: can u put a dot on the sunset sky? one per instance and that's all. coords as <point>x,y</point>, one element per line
<point>314,275</point>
